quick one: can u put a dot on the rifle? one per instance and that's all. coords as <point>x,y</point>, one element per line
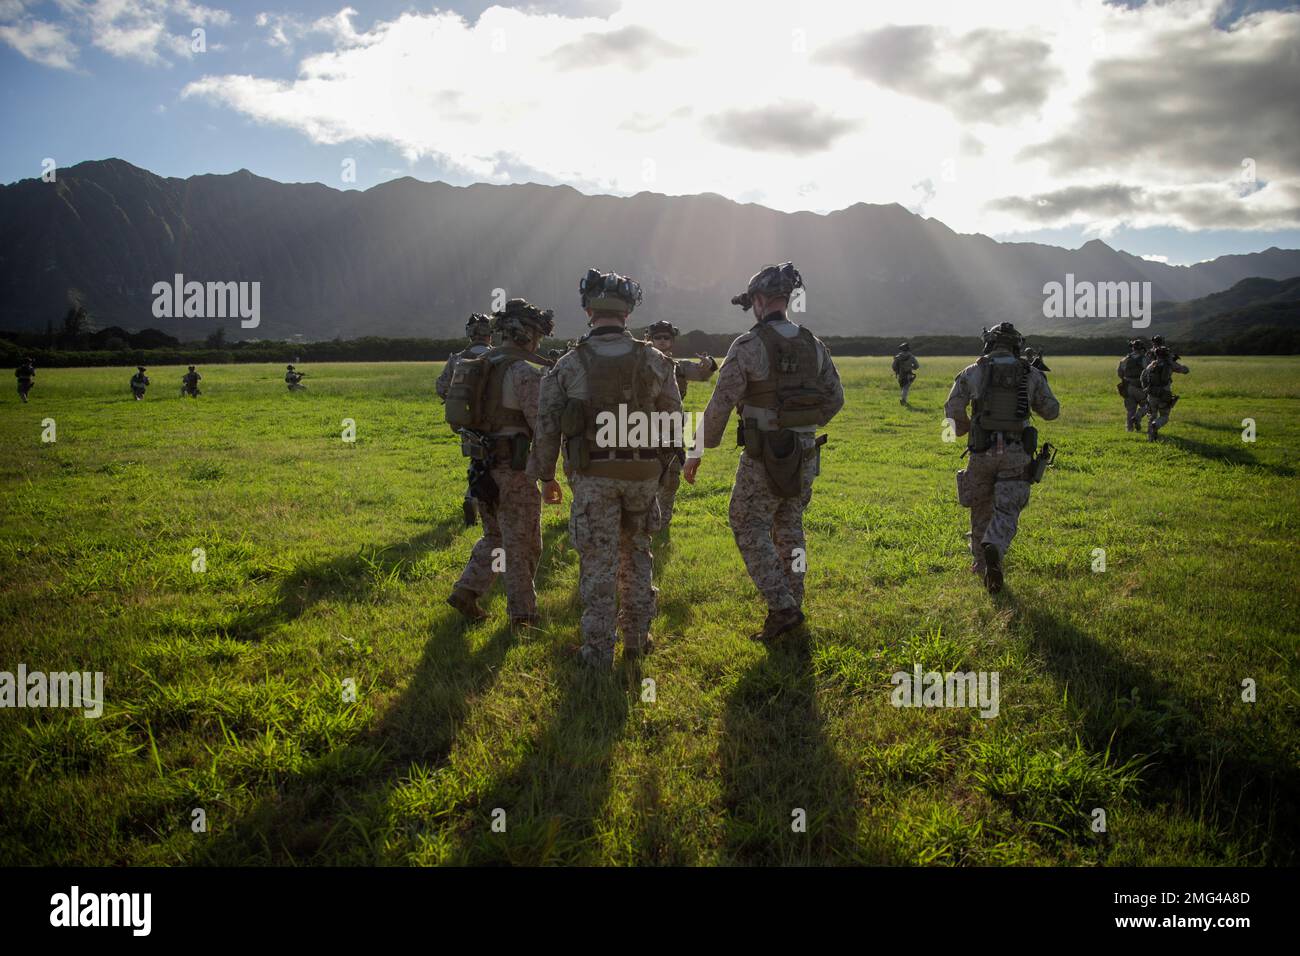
<point>1045,459</point>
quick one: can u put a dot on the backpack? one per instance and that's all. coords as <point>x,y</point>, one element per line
<point>474,397</point>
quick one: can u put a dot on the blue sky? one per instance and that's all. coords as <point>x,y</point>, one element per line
<point>1040,121</point>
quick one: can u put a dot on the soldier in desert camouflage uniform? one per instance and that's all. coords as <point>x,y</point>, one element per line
<point>1157,383</point>
<point>1130,383</point>
<point>507,499</point>
<point>662,335</point>
<point>1004,388</point>
<point>904,367</point>
<point>614,480</point>
<point>479,330</point>
<point>782,379</point>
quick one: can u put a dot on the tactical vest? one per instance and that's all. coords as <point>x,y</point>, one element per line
<point>1161,376</point>
<point>1134,363</point>
<point>793,387</point>
<point>1003,402</point>
<point>615,381</point>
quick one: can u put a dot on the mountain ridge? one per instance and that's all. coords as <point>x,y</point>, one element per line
<point>408,257</point>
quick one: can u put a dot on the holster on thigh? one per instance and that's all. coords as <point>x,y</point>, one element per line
<point>783,461</point>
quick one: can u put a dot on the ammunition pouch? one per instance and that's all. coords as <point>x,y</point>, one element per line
<point>751,438</point>
<point>1029,440</point>
<point>1039,465</point>
<point>519,445</point>
<point>573,417</point>
<point>782,455</point>
<point>964,496</point>
<point>1122,387</point>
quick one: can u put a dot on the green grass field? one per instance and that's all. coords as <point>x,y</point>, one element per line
<point>327,561</point>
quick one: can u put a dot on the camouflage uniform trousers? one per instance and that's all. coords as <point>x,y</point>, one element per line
<point>610,525</point>
<point>1135,402</point>
<point>769,529</point>
<point>998,495</point>
<point>906,385</point>
<point>515,526</point>
<point>669,482</point>
<point>1159,404</point>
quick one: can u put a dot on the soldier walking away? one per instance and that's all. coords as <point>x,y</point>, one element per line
<point>785,384</point>
<point>1129,387</point>
<point>1003,387</point>
<point>492,403</point>
<point>139,382</point>
<point>293,378</point>
<point>905,366</point>
<point>26,375</point>
<point>1157,383</point>
<point>190,383</point>
<point>615,478</point>
<point>662,335</point>
<point>479,330</point>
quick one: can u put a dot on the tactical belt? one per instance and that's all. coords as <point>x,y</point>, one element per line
<point>624,454</point>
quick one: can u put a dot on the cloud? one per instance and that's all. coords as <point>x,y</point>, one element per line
<point>632,47</point>
<point>1206,206</point>
<point>126,29</point>
<point>1016,114</point>
<point>984,75</point>
<point>1191,101</point>
<point>797,128</point>
<point>41,42</point>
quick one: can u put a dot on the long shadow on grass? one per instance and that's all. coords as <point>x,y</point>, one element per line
<point>333,810</point>
<point>1233,454</point>
<point>1246,787</point>
<point>554,797</point>
<point>776,760</point>
<point>353,576</point>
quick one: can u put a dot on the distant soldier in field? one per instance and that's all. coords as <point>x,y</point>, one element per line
<point>26,375</point>
<point>662,335</point>
<point>139,382</point>
<point>905,366</point>
<point>190,383</point>
<point>497,393</point>
<point>782,379</point>
<point>614,477</point>
<point>479,330</point>
<point>1130,388</point>
<point>1157,382</point>
<point>1004,388</point>
<point>293,379</point>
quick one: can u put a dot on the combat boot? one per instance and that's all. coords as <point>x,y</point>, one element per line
<point>778,623</point>
<point>992,568</point>
<point>1151,432</point>
<point>466,602</point>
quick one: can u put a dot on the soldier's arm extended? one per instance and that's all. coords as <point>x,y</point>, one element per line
<point>1179,368</point>
<point>546,429</point>
<point>692,371</point>
<point>726,395</point>
<point>1044,403</point>
<point>955,407</point>
<point>443,385</point>
<point>829,379</point>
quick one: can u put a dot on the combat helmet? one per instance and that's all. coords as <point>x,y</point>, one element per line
<point>191,368</point>
<point>478,326</point>
<point>905,347</point>
<point>520,318</point>
<point>288,368</point>
<point>1003,335</point>
<point>1160,353</point>
<point>662,327</point>
<point>609,292</point>
<point>770,281</point>
<point>1157,341</point>
<point>1137,345</point>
